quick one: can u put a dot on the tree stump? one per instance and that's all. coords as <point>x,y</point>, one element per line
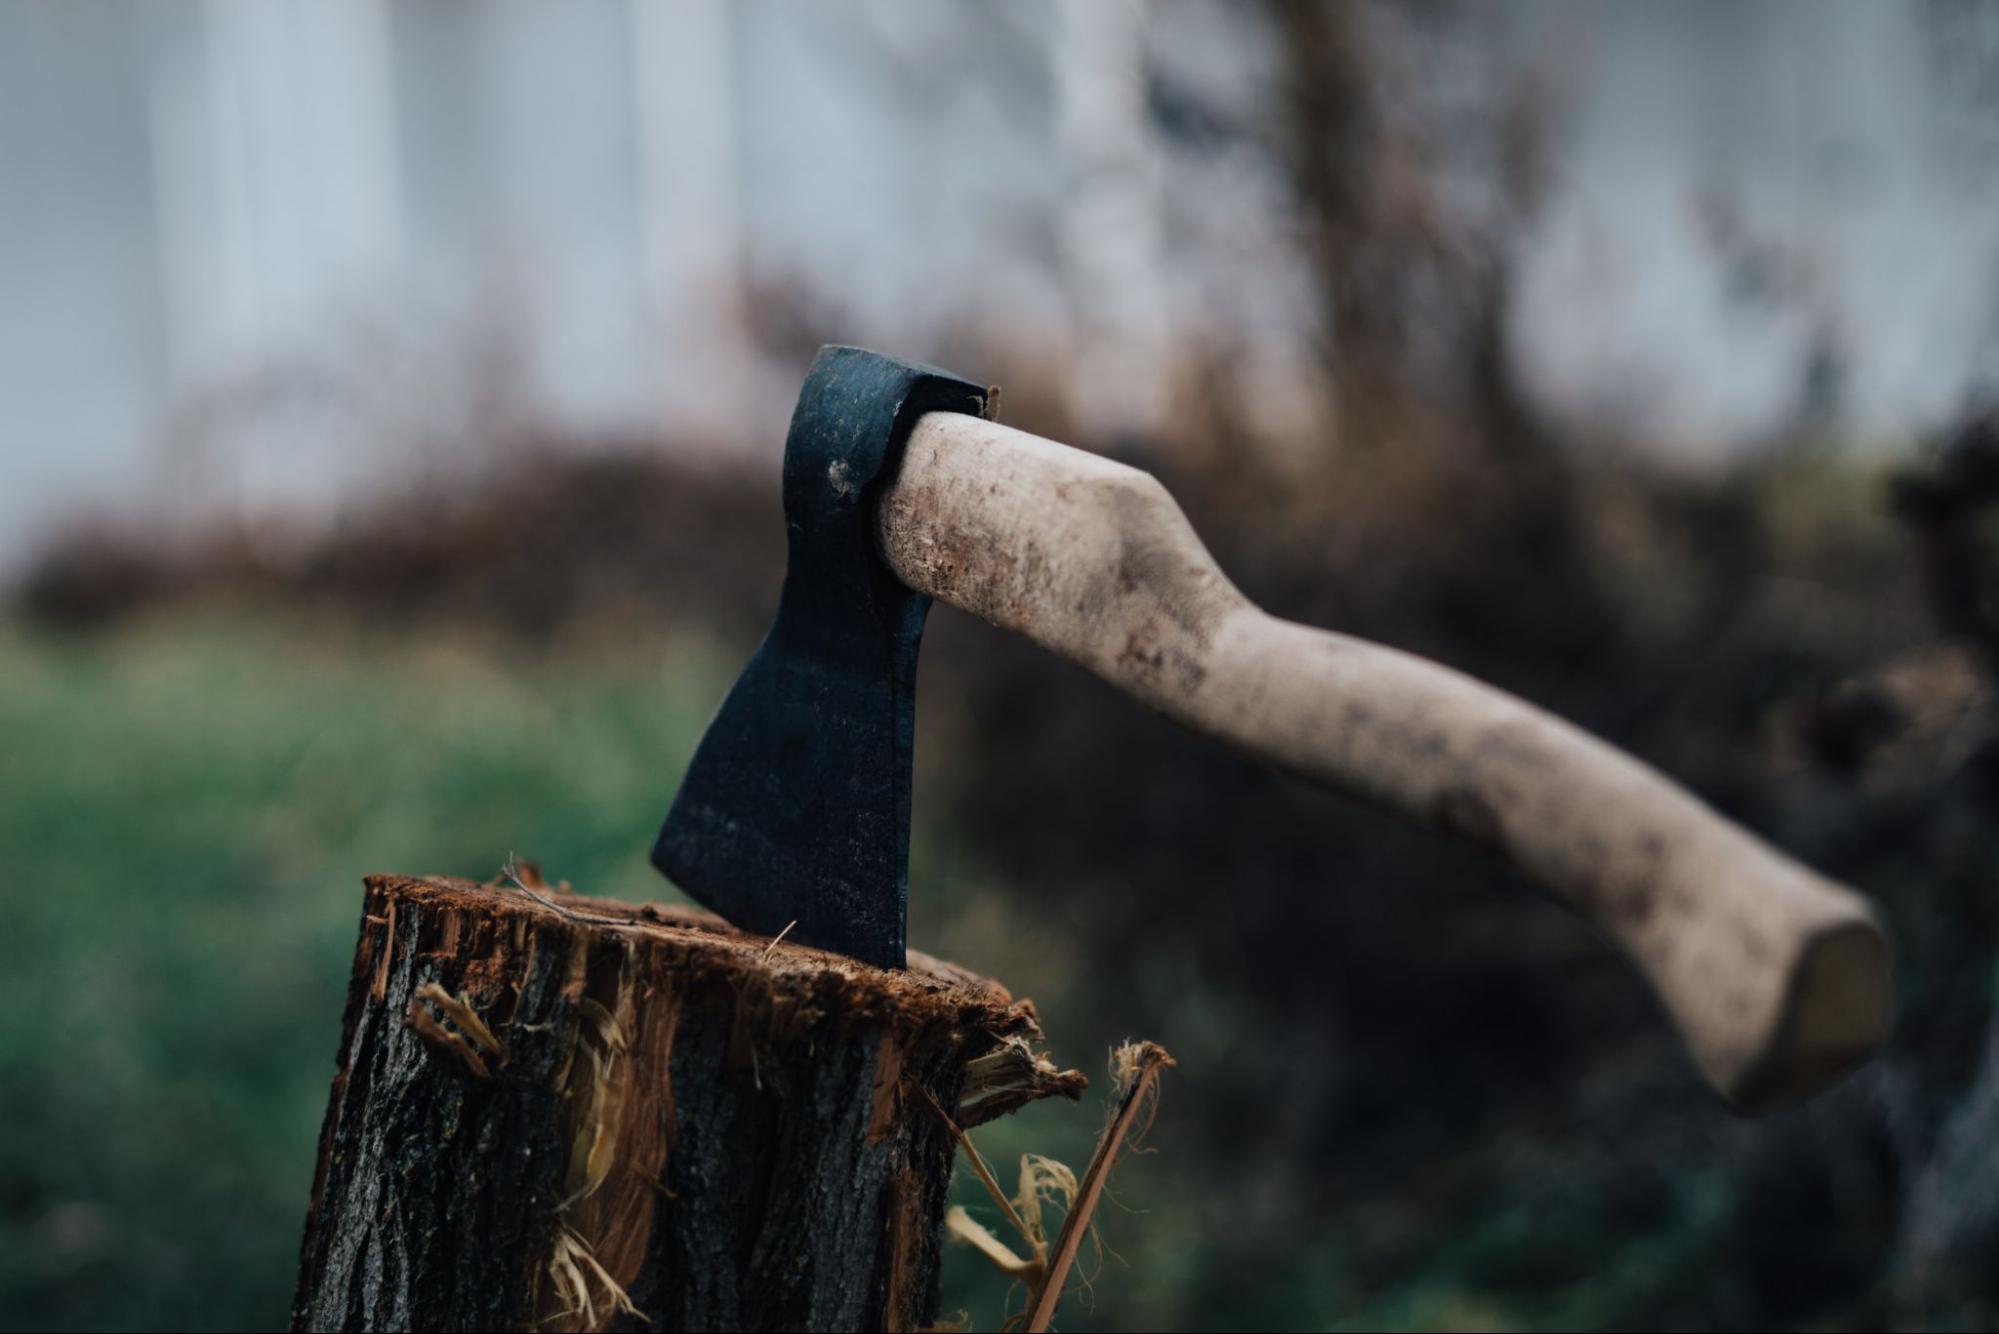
<point>553,1112</point>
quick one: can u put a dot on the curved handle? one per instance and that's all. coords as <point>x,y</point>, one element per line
<point>1777,978</point>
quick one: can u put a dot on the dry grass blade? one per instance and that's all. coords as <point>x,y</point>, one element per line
<point>980,1168</point>
<point>979,1237</point>
<point>520,873</point>
<point>1135,1068</point>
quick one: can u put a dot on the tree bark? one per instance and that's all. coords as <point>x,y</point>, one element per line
<point>553,1112</point>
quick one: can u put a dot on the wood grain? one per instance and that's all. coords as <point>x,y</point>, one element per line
<point>1777,978</point>
<point>559,1113</point>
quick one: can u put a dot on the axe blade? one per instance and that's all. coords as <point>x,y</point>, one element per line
<point>795,809</point>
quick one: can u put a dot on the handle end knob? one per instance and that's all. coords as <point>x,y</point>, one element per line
<point>1838,1007</point>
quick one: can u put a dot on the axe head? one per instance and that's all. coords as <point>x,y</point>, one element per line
<point>795,810</point>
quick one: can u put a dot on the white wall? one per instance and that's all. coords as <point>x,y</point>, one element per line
<point>266,254</point>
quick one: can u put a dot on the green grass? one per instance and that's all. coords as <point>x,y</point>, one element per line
<point>186,811</point>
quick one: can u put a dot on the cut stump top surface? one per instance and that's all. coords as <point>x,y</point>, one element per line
<point>929,992</point>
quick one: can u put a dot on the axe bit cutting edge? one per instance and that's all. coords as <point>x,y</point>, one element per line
<point>898,490</point>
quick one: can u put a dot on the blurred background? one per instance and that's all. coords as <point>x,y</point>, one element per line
<point>391,400</point>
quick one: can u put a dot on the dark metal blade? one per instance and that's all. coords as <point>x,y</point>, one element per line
<point>796,806</point>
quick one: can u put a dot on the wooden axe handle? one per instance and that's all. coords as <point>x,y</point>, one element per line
<point>1777,978</point>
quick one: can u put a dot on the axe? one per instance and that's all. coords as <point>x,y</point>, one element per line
<point>900,488</point>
